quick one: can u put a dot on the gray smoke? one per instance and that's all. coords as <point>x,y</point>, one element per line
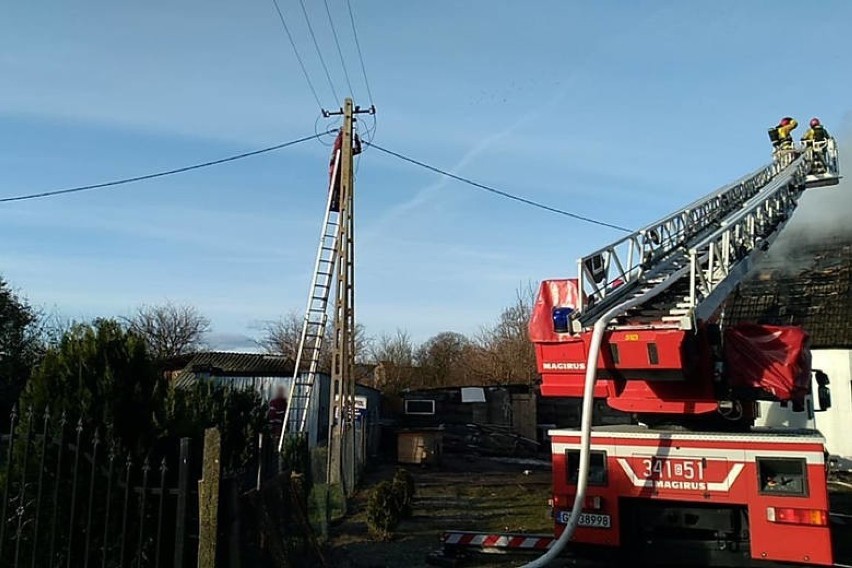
<point>823,218</point>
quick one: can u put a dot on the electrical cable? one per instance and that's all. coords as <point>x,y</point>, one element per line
<point>319,53</point>
<point>501,192</point>
<point>332,129</point>
<point>370,131</point>
<point>296,51</point>
<point>339,51</point>
<point>124,181</point>
<point>360,54</point>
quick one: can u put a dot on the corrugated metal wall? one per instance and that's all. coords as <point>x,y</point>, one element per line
<point>267,387</point>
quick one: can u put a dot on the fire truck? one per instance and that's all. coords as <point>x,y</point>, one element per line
<point>691,480</point>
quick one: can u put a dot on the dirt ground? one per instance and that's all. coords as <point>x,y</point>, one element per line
<point>482,494</point>
<point>476,494</point>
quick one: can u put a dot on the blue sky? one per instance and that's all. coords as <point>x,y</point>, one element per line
<point>616,110</point>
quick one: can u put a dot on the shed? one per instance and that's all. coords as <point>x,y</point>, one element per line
<point>262,373</point>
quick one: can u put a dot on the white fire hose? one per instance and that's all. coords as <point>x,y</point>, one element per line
<point>586,417</point>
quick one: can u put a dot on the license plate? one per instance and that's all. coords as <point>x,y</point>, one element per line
<point>589,520</point>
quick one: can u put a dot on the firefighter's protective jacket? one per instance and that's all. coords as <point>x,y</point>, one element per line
<point>816,134</point>
<point>784,133</point>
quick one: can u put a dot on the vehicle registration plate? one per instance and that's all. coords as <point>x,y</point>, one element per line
<point>589,520</point>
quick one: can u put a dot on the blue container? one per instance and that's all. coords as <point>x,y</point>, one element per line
<point>562,319</point>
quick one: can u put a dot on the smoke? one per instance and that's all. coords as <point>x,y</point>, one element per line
<point>823,218</point>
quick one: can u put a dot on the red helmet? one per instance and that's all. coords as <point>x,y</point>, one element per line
<point>814,122</point>
<point>785,121</point>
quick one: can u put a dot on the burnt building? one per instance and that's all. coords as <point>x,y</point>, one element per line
<point>808,283</point>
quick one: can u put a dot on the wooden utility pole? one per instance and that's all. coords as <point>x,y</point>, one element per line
<point>342,453</point>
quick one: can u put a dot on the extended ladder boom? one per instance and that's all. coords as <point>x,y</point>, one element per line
<point>702,250</point>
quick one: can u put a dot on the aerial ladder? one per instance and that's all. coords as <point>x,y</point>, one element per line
<point>643,327</point>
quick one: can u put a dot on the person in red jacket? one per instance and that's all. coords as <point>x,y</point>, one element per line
<point>277,410</point>
<point>335,164</point>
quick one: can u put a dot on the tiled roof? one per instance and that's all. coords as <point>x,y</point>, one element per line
<point>235,365</point>
<point>809,285</point>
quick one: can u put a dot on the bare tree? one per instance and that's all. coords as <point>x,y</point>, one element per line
<point>170,329</point>
<point>283,335</point>
<point>395,354</point>
<point>506,352</point>
<point>397,349</point>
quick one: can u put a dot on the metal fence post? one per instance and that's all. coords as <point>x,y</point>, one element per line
<point>208,499</point>
<point>260,459</point>
<point>40,486</point>
<point>6,482</point>
<point>21,510</point>
<point>71,517</point>
<point>183,492</point>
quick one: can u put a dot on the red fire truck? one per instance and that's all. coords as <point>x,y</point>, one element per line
<point>691,481</point>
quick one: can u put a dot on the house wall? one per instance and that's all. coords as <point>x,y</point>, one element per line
<point>836,422</point>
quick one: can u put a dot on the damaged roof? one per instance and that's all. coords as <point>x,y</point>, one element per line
<point>809,285</point>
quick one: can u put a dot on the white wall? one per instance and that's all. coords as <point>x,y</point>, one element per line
<point>835,423</point>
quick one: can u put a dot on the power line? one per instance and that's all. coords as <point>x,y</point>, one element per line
<point>360,55</point>
<point>319,53</point>
<point>339,51</point>
<point>159,174</point>
<point>296,51</point>
<point>500,192</point>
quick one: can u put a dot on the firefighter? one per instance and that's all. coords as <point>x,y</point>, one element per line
<point>781,135</point>
<point>816,133</point>
<point>817,136</point>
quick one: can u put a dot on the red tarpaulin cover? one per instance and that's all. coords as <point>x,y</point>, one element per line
<point>564,293</point>
<point>773,359</point>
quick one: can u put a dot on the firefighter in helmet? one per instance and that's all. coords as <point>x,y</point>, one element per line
<point>816,133</point>
<point>816,136</point>
<point>781,135</point>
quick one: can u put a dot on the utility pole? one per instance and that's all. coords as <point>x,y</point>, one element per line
<point>342,462</point>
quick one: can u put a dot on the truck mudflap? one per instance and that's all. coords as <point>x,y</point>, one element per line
<point>753,496</point>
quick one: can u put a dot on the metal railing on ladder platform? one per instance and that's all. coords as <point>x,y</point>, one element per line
<point>658,251</point>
